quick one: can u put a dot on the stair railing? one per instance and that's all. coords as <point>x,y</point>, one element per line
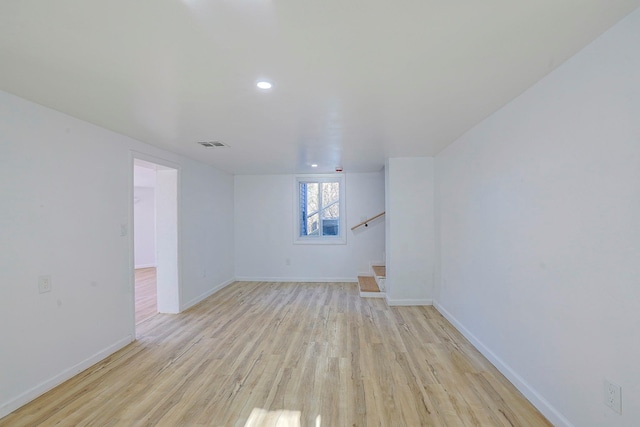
<point>367,221</point>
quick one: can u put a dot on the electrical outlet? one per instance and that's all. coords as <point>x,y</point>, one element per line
<point>613,396</point>
<point>44,284</point>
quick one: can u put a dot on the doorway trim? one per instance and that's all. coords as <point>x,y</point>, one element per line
<point>169,263</point>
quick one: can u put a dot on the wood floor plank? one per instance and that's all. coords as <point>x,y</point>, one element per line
<point>288,354</point>
<point>146,294</point>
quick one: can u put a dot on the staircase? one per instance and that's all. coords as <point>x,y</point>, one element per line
<point>373,286</point>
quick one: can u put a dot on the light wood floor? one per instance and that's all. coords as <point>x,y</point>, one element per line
<point>259,354</point>
<point>146,294</point>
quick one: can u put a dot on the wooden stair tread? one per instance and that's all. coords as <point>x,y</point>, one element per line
<point>368,284</point>
<point>380,270</point>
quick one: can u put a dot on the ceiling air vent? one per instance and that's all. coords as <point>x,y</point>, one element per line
<point>212,144</point>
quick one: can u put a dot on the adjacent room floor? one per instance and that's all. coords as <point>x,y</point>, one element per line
<point>146,294</point>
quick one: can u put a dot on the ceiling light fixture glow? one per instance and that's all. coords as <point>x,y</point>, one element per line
<point>314,165</point>
<point>264,85</point>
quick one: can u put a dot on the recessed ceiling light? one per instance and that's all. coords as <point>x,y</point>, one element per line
<point>314,165</point>
<point>264,84</point>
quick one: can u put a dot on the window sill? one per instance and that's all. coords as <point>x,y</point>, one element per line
<point>320,241</point>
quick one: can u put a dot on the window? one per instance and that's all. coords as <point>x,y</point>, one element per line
<point>320,209</point>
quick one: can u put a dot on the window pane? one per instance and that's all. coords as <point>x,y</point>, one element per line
<point>313,226</point>
<point>330,193</point>
<point>332,211</point>
<point>312,198</point>
<point>330,227</point>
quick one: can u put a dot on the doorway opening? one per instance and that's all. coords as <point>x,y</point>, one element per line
<point>155,229</point>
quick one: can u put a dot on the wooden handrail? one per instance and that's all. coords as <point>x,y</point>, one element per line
<point>367,220</point>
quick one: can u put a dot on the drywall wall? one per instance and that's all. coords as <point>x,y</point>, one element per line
<point>410,249</point>
<point>264,229</point>
<point>539,212</point>
<point>206,234</point>
<point>66,189</point>
<point>144,226</point>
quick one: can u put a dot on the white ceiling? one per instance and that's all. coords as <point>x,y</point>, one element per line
<point>354,81</point>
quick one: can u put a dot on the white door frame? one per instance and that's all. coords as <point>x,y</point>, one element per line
<point>167,212</point>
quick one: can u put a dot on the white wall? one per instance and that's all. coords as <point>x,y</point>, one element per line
<point>65,192</point>
<point>206,234</point>
<point>144,174</point>
<point>264,228</point>
<point>168,253</point>
<point>540,230</point>
<point>410,240</point>
<point>144,222</point>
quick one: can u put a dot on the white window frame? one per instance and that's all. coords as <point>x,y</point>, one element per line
<point>341,238</point>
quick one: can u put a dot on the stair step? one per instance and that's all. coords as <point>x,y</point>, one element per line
<point>380,270</point>
<point>368,284</point>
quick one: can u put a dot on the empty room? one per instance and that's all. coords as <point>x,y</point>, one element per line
<point>344,213</point>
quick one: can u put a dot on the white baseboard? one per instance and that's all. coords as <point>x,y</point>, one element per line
<point>555,417</point>
<point>144,266</point>
<point>8,407</point>
<point>298,279</point>
<point>408,302</point>
<point>207,294</point>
